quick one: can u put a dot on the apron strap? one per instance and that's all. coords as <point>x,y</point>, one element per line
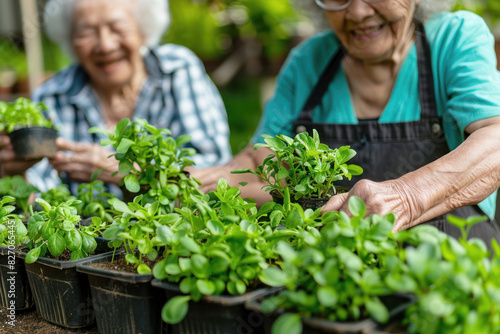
<point>425,78</point>
<point>322,85</point>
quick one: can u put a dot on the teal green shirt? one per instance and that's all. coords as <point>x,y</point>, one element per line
<point>467,83</point>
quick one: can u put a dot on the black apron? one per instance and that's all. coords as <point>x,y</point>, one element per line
<point>388,151</point>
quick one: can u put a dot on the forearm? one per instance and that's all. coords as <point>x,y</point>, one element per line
<point>465,176</point>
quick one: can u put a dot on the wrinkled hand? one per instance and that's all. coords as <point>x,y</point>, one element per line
<point>83,160</point>
<point>382,198</point>
<point>9,164</point>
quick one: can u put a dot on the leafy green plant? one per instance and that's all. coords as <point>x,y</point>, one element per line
<point>456,282</point>
<point>93,199</point>
<point>152,161</point>
<point>56,229</point>
<point>23,113</point>
<point>17,187</point>
<point>57,195</point>
<point>12,230</point>
<point>304,165</point>
<point>219,246</point>
<point>339,273</point>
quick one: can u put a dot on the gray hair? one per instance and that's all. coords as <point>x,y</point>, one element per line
<point>153,19</point>
<point>425,10</point>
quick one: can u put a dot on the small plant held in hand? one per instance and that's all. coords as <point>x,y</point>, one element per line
<point>56,229</point>
<point>304,165</point>
<point>152,161</point>
<point>32,135</point>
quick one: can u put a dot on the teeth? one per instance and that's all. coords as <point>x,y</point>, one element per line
<point>366,32</point>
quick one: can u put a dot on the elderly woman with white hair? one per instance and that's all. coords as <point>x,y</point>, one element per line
<point>120,71</point>
<point>414,90</point>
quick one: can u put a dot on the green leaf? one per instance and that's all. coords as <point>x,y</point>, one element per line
<point>56,244</point>
<point>273,276</point>
<point>124,146</point>
<point>159,270</point>
<point>175,309</point>
<point>122,207</point>
<point>73,240</point>
<point>200,266</point>
<point>89,244</point>
<point>130,258</point>
<point>287,324</point>
<point>190,245</point>
<point>131,183</point>
<point>125,166</point>
<point>215,227</point>
<point>357,206</point>
<point>327,296</point>
<point>143,269</point>
<point>205,286</point>
<point>33,255</point>
<point>377,310</point>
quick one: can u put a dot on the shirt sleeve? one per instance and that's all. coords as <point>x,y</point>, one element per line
<point>202,113</point>
<point>471,81</point>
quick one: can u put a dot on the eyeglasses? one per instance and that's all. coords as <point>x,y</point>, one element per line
<point>339,4</point>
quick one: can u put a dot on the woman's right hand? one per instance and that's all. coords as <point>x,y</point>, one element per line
<point>9,164</point>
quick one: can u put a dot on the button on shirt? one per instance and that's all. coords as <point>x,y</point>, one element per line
<point>178,95</point>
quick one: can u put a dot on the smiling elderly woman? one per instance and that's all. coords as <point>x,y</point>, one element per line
<point>121,72</point>
<point>414,91</point>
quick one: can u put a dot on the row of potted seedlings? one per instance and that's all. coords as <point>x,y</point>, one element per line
<point>225,265</point>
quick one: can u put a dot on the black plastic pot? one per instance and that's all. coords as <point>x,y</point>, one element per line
<point>15,292</point>
<point>215,314</point>
<point>62,295</point>
<point>396,305</point>
<point>34,143</point>
<point>124,303</point>
<point>308,202</point>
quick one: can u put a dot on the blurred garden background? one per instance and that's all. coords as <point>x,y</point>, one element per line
<point>243,44</point>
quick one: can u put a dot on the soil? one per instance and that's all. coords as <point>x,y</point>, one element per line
<point>122,265</point>
<point>28,322</point>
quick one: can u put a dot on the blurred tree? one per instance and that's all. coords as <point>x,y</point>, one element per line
<point>489,10</point>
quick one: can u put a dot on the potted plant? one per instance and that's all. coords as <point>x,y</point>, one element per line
<point>94,199</point>
<point>15,293</point>
<point>213,256</point>
<point>304,166</point>
<point>17,187</point>
<point>337,282</point>
<point>122,295</point>
<point>152,161</point>
<point>57,243</point>
<point>31,133</point>
<point>55,196</point>
<point>456,281</point>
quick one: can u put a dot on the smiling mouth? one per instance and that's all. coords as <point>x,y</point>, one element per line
<point>109,62</point>
<point>367,31</point>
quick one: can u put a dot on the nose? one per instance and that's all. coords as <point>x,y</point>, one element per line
<point>359,10</point>
<point>107,40</point>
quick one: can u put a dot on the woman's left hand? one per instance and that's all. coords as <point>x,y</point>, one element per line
<point>381,198</point>
<point>85,159</point>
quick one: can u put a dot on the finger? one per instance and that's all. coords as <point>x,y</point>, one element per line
<point>7,155</point>
<point>80,176</point>
<point>335,203</point>
<point>4,141</point>
<point>66,145</point>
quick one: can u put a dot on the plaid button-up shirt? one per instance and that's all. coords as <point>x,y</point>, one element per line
<point>178,95</point>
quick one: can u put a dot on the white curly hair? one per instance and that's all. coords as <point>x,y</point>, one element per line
<point>153,19</point>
